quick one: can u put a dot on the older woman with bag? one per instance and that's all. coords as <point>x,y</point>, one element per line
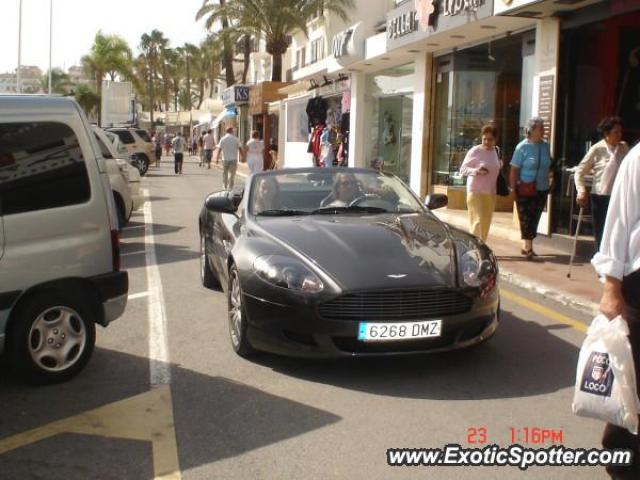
<point>482,166</point>
<point>530,180</point>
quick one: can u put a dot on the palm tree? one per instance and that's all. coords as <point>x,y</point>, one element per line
<point>110,54</point>
<point>61,84</point>
<point>152,45</point>
<point>87,98</point>
<point>210,8</point>
<point>275,20</point>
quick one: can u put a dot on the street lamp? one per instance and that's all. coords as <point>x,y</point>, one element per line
<point>18,76</point>
<point>50,39</point>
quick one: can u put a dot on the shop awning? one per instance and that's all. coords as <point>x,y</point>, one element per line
<point>224,114</point>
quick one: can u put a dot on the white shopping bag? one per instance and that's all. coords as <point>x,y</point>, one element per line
<point>606,378</point>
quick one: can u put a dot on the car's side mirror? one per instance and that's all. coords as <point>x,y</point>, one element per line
<point>221,202</point>
<point>436,200</point>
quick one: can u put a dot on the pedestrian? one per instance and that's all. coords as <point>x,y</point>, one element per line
<point>230,149</point>
<point>178,145</point>
<point>254,152</point>
<point>209,142</point>
<point>157,147</point>
<point>602,161</point>
<point>530,180</point>
<point>167,143</point>
<point>194,144</point>
<point>618,262</point>
<point>201,149</point>
<point>482,165</point>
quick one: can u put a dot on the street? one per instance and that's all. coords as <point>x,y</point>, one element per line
<point>164,395</point>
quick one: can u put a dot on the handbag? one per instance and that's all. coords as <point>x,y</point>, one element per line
<point>502,188</point>
<point>528,189</point>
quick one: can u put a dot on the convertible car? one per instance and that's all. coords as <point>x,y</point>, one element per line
<point>344,262</point>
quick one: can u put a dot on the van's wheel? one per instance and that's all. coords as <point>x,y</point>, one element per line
<point>51,338</point>
<point>237,316</point>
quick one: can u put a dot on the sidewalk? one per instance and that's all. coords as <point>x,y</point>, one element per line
<point>548,275</point>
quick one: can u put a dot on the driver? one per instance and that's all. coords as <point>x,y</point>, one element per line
<point>345,190</point>
<point>267,195</point>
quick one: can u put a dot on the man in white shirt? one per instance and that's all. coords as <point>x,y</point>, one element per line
<point>618,261</point>
<point>208,142</point>
<point>178,144</point>
<point>229,147</point>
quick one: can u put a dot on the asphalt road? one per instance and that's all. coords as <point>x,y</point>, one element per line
<point>198,411</point>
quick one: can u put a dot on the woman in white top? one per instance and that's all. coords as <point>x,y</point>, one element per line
<point>254,152</point>
<point>602,160</point>
<point>618,261</point>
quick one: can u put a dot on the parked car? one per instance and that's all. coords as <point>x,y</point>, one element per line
<point>59,242</point>
<point>131,172</point>
<point>138,143</point>
<point>118,171</point>
<point>344,262</point>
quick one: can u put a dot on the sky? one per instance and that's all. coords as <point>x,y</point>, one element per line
<point>75,23</point>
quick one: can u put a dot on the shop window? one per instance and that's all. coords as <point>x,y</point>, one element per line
<point>317,50</point>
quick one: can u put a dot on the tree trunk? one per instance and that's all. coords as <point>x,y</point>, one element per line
<point>246,51</point>
<point>151,94</point>
<point>228,53</point>
<point>165,82</point>
<point>99,76</point>
<point>189,80</point>
<point>201,92</point>
<point>276,68</point>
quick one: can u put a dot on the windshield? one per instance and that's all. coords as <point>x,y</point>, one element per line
<point>115,140</point>
<point>335,191</point>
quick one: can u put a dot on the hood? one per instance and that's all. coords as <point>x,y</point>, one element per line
<point>372,251</point>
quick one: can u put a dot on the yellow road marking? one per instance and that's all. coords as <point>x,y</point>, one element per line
<point>547,312</point>
<point>146,417</point>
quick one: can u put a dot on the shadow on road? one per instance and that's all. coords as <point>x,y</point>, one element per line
<point>165,254</point>
<point>523,359</point>
<point>136,229</point>
<point>215,418</point>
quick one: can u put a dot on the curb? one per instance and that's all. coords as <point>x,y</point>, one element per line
<point>565,298</point>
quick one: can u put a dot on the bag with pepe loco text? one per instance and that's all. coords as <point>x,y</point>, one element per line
<point>606,378</point>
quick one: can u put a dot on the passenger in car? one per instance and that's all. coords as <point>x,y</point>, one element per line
<point>345,190</point>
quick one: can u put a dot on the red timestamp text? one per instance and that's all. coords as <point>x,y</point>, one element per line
<point>479,435</point>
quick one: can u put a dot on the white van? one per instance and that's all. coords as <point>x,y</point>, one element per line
<point>59,244</point>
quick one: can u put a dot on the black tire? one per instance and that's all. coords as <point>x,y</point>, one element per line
<point>207,276</point>
<point>120,210</point>
<point>144,164</point>
<point>28,327</point>
<point>237,334</point>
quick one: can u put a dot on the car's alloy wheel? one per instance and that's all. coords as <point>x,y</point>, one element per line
<point>237,316</point>
<point>144,164</point>
<point>51,338</point>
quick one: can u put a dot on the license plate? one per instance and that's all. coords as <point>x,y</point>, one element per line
<point>381,332</point>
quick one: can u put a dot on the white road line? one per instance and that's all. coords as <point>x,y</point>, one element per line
<point>138,295</point>
<point>158,346</point>
<point>133,253</point>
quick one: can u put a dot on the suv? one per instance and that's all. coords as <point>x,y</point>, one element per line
<point>138,143</point>
<point>59,243</point>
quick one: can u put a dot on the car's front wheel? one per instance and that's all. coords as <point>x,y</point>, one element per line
<point>144,164</point>
<point>237,316</point>
<point>51,338</point>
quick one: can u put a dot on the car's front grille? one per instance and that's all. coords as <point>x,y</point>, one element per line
<point>396,305</point>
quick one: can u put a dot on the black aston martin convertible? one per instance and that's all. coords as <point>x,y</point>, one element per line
<point>342,262</point>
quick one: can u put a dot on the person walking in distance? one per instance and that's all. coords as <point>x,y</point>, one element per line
<point>201,149</point>
<point>208,143</point>
<point>229,147</point>
<point>618,262</point>
<point>178,152</point>
<point>254,151</point>
<point>157,146</point>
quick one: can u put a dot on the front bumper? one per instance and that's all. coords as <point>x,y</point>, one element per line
<point>299,331</point>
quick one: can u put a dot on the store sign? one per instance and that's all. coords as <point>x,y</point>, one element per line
<point>236,95</point>
<point>545,102</point>
<point>340,47</point>
<point>402,25</point>
<point>456,7</point>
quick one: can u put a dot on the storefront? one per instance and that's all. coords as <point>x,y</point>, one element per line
<point>263,120</point>
<point>487,83</point>
<point>388,118</point>
<point>599,76</point>
<point>236,103</point>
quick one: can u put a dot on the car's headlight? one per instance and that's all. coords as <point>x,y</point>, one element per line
<point>287,272</point>
<point>478,270</point>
